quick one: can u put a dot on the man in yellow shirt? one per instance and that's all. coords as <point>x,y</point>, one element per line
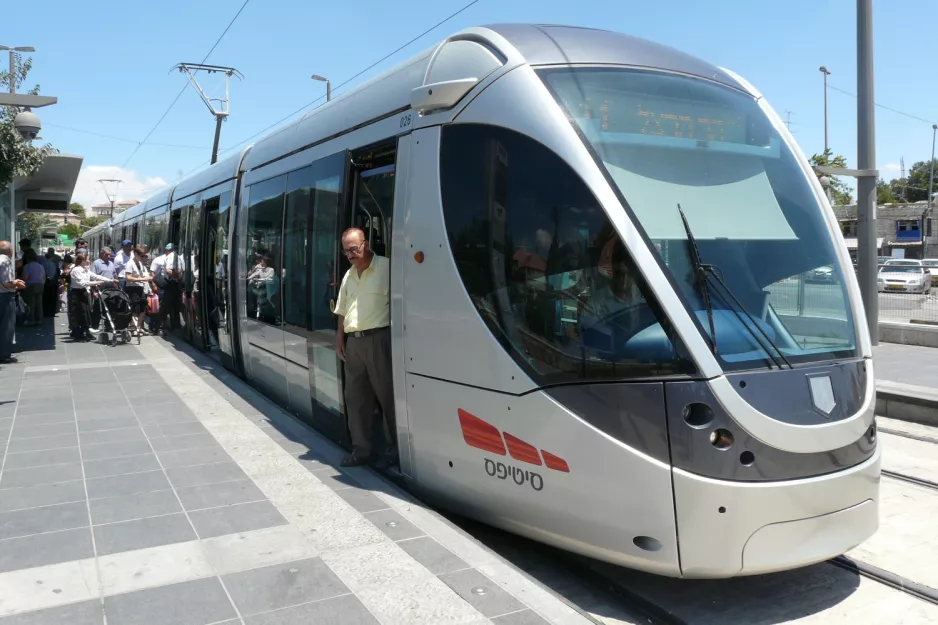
<point>364,343</point>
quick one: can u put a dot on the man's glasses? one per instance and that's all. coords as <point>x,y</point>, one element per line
<point>352,250</point>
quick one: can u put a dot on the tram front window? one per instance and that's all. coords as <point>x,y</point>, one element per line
<point>672,143</point>
<point>544,267</point>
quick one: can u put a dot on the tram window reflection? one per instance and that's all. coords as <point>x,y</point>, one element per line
<point>264,231</point>
<point>543,265</point>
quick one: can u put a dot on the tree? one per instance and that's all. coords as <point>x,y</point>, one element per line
<point>72,231</point>
<point>917,190</point>
<point>77,209</point>
<point>840,192</point>
<point>884,192</point>
<point>17,157</point>
<point>90,222</point>
<point>31,226</point>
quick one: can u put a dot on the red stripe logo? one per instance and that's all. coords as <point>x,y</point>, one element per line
<point>485,436</point>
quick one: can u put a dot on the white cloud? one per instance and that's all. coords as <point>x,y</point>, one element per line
<point>891,168</point>
<point>89,191</point>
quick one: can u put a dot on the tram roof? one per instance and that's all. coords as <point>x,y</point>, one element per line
<point>222,171</point>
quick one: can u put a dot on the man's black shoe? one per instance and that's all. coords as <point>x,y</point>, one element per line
<point>352,460</point>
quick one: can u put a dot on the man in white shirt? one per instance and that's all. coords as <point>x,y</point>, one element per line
<point>167,271</point>
<point>8,286</point>
<point>124,256</point>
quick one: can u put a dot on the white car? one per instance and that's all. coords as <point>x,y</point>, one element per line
<point>904,276</point>
<point>931,266</point>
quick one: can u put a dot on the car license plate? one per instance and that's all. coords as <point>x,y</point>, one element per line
<point>895,287</point>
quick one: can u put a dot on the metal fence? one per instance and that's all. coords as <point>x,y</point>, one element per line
<point>896,305</point>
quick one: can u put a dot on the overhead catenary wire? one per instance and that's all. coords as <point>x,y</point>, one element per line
<point>884,107</point>
<point>183,90</point>
<point>342,84</point>
<point>125,139</point>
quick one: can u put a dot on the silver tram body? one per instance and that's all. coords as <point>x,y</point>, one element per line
<point>565,366</point>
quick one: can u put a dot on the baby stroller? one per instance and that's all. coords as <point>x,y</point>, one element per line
<point>117,315</point>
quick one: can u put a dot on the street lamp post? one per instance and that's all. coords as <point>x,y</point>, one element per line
<point>931,190</point>
<point>826,73</point>
<point>13,51</point>
<point>328,85</point>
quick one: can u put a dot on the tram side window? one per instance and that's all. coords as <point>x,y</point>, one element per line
<point>543,265</point>
<point>296,249</point>
<point>262,250</point>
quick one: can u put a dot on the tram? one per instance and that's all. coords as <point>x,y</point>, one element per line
<point>602,335</point>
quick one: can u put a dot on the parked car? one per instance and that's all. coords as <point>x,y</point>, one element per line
<point>931,266</point>
<point>904,276</point>
<point>822,274</point>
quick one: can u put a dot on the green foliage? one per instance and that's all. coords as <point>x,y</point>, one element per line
<point>17,158</point>
<point>71,230</point>
<point>31,226</point>
<point>77,209</point>
<point>840,192</point>
<point>884,192</point>
<point>90,222</point>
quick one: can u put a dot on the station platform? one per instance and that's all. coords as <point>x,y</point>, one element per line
<point>148,485</point>
<point>906,382</point>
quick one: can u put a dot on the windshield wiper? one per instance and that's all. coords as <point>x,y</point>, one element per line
<point>700,274</point>
<point>704,272</point>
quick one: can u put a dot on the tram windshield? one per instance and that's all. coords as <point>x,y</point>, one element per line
<point>673,143</point>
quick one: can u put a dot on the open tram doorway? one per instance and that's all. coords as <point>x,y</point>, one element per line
<point>369,205</point>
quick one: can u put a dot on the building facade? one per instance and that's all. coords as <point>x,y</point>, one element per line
<point>104,209</point>
<point>899,230</point>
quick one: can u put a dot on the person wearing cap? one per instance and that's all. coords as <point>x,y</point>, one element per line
<point>167,270</point>
<point>124,256</point>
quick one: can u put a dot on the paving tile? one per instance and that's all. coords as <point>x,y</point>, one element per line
<point>432,555</point>
<point>282,585</point>
<point>129,571</point>
<point>115,450</point>
<point>362,500</point>
<point>174,429</point>
<point>45,407</point>
<point>343,610</point>
<point>46,442</point>
<point>494,601</point>
<point>33,384</point>
<point>334,478</point>
<point>121,466</point>
<point>48,392</point>
<point>46,418</point>
<point>164,413</point>
<point>108,423</point>
<point>186,441</point>
<point>136,372</point>
<point>153,398</point>
<point>26,430</point>
<point>105,405</point>
<point>42,520</point>
<point>189,603</point>
<point>41,458</point>
<point>138,506</point>
<point>83,613</point>
<point>98,375</point>
<point>142,533</point>
<point>121,485</point>
<point>15,478</point>
<point>45,495</point>
<point>101,412</point>
<point>235,519</point>
<point>524,617</point>
<point>42,549</point>
<point>123,435</point>
<point>192,457</point>
<point>205,474</point>
<point>394,525</point>
<point>223,494</point>
<point>229,553</point>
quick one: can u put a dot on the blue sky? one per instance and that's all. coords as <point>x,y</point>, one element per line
<point>109,63</point>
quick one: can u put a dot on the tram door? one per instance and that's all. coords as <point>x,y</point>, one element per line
<point>369,206</point>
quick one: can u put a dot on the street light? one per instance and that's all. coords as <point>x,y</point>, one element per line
<point>826,73</point>
<point>13,52</point>
<point>931,188</point>
<point>328,85</point>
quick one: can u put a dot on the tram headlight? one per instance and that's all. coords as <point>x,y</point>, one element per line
<point>721,439</point>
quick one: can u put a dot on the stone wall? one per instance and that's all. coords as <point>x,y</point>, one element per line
<point>886,217</point>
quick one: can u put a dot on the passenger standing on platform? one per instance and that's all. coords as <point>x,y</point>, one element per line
<point>166,270</point>
<point>34,275</point>
<point>50,293</point>
<point>8,286</point>
<point>103,266</point>
<point>363,341</point>
<point>79,300</point>
<point>124,256</point>
<point>138,286</point>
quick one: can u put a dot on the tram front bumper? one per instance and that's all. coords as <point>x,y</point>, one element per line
<point>728,529</point>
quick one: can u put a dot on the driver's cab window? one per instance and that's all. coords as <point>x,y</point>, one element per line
<point>543,265</point>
